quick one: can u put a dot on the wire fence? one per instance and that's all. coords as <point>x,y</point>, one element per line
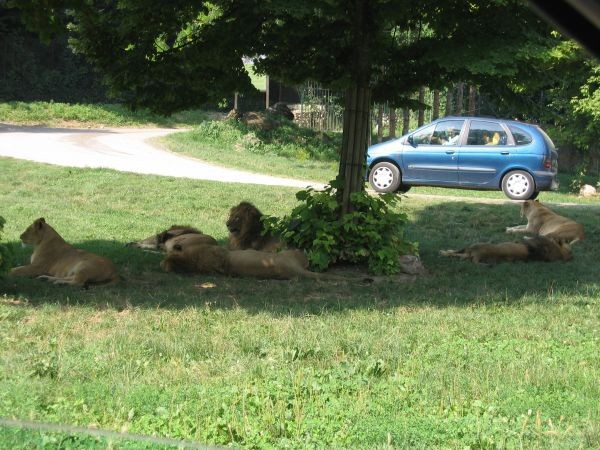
<point>319,108</point>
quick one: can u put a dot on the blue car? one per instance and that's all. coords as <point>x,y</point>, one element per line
<point>470,153</point>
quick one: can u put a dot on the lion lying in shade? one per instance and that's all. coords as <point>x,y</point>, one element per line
<point>284,265</point>
<point>246,230</point>
<point>538,248</point>
<point>55,260</point>
<point>182,235</point>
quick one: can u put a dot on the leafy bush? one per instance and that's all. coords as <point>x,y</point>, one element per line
<point>372,233</point>
<point>578,179</point>
<point>281,137</point>
<point>4,253</point>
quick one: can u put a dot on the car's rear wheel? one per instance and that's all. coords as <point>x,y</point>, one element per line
<point>518,185</point>
<point>385,177</point>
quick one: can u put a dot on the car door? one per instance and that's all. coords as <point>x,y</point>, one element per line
<point>430,156</point>
<point>485,154</point>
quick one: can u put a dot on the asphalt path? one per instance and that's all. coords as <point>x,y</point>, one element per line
<point>123,149</point>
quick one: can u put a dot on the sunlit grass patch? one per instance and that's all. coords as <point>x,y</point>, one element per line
<point>464,356</point>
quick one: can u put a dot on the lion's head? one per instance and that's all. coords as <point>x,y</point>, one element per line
<point>527,206</point>
<point>244,225</point>
<point>34,234</point>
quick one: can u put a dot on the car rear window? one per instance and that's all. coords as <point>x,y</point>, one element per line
<point>521,136</point>
<point>549,142</point>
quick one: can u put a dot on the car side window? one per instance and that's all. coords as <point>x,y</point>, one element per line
<point>486,133</point>
<point>520,136</point>
<point>447,132</point>
<point>423,137</point>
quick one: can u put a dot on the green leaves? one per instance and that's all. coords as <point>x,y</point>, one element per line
<point>371,234</point>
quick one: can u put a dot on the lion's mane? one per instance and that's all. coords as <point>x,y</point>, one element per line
<point>246,230</point>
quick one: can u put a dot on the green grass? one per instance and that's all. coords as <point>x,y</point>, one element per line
<point>286,150</point>
<point>87,115</point>
<point>465,356</point>
<point>259,81</point>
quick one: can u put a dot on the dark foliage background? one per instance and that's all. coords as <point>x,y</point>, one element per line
<point>31,70</point>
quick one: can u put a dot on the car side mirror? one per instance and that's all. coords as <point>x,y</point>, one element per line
<point>411,141</point>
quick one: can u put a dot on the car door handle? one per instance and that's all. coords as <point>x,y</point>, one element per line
<point>505,153</point>
<point>450,152</point>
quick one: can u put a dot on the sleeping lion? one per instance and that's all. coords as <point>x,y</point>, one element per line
<point>176,234</point>
<point>545,222</point>
<point>283,265</point>
<point>538,248</point>
<point>55,260</point>
<point>246,230</point>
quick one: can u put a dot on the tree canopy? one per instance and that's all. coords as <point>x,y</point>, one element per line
<point>178,54</point>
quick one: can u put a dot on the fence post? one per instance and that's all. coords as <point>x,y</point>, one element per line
<point>267,83</point>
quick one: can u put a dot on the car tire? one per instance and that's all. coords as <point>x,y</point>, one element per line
<point>385,177</point>
<point>518,185</point>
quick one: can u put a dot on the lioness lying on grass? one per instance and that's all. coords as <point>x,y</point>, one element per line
<point>55,260</point>
<point>538,248</point>
<point>545,222</point>
<point>284,265</point>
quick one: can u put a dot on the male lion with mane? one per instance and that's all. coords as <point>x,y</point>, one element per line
<point>246,230</point>
<point>284,265</point>
<point>545,222</point>
<point>55,260</point>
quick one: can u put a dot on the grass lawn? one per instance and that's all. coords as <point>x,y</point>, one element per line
<point>465,356</point>
<point>92,115</point>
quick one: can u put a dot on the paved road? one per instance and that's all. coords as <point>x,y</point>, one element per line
<point>120,149</point>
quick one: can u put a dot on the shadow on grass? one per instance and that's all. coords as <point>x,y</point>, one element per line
<point>450,282</point>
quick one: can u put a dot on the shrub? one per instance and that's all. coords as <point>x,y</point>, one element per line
<point>372,233</point>
<point>578,179</point>
<point>281,137</point>
<point>4,253</point>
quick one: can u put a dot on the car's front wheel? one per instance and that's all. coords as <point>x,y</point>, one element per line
<point>518,185</point>
<point>385,177</point>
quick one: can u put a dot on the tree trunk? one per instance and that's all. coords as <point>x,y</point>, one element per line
<point>405,120</point>
<point>448,109</point>
<point>460,89</point>
<point>472,98</point>
<point>436,105</point>
<point>421,119</point>
<point>380,123</point>
<point>354,144</point>
<point>393,122</point>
